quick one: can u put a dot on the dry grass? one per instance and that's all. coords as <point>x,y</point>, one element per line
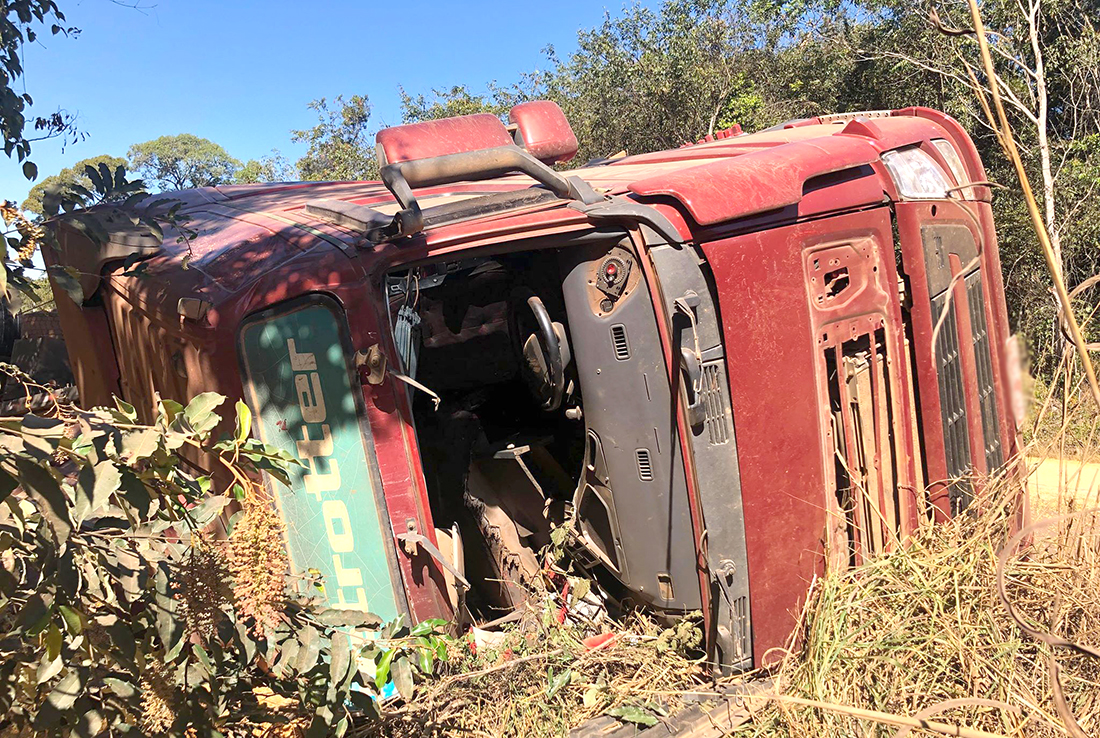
<point>924,626</point>
<point>927,631</point>
<point>921,632</point>
<point>543,681</point>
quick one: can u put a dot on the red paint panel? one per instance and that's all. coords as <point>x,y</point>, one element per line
<point>439,137</point>
<point>863,246</point>
<point>779,402</point>
<point>759,181</point>
<point>922,323</point>
<point>773,388</point>
<point>892,133</point>
<point>910,217</point>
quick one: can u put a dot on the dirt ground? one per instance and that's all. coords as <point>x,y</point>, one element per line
<point>1073,478</point>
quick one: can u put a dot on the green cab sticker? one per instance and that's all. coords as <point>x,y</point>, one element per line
<point>298,383</point>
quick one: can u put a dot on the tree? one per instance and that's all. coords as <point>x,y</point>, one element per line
<point>20,23</point>
<point>182,162</point>
<point>653,79</point>
<point>271,168</point>
<point>458,101</point>
<point>340,145</point>
<point>121,614</point>
<point>74,175</point>
<point>1046,54</point>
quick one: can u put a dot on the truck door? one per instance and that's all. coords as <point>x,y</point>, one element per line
<point>802,354</point>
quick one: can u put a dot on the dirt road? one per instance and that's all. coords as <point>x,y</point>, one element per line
<point>1048,476</point>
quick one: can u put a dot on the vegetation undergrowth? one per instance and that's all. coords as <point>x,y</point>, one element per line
<point>543,678</point>
<point>925,630</point>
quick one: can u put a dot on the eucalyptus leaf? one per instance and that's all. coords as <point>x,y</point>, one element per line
<point>203,657</point>
<point>310,648</point>
<point>120,687</point>
<point>339,661</point>
<point>108,479</point>
<point>129,413</point>
<point>139,444</point>
<point>425,627</point>
<point>74,620</point>
<point>202,407</point>
<point>244,421</point>
<point>65,694</point>
<point>48,669</point>
<point>348,618</point>
<point>93,174</point>
<point>210,508</point>
<point>68,282</point>
<point>401,672</point>
<point>382,668</point>
<point>41,485</point>
<point>8,483</point>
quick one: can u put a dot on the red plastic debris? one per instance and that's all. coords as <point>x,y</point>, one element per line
<point>564,603</point>
<point>603,640</point>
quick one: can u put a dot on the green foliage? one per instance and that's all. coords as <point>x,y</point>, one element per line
<point>21,22</point>
<point>74,175</point>
<point>110,201</point>
<point>655,79</point>
<point>271,168</point>
<point>458,100</point>
<point>100,625</point>
<point>340,145</point>
<point>182,162</point>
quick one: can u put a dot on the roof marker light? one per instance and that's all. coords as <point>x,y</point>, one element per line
<point>916,174</point>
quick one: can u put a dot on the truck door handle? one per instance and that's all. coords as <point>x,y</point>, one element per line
<point>692,372</point>
<point>691,360</point>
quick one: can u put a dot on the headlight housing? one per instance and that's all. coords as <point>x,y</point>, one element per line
<point>916,174</point>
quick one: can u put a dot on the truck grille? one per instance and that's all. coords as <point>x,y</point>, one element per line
<point>991,437</point>
<point>741,627</point>
<point>952,402</point>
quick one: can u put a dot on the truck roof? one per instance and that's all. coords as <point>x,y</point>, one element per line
<point>236,236</point>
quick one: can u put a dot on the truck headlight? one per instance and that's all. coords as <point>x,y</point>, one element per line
<point>916,174</point>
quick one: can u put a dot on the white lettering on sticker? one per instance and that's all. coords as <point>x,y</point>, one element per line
<point>335,511</point>
<point>308,450</point>
<point>300,362</point>
<point>341,539</point>
<point>310,399</point>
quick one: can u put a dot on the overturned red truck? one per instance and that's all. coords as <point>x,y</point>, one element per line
<point>718,369</point>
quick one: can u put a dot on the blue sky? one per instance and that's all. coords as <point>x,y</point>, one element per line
<point>241,73</point>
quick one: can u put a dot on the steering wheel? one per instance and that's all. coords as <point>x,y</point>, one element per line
<point>544,356</point>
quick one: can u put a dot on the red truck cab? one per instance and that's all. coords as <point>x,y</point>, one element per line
<point>719,368</point>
